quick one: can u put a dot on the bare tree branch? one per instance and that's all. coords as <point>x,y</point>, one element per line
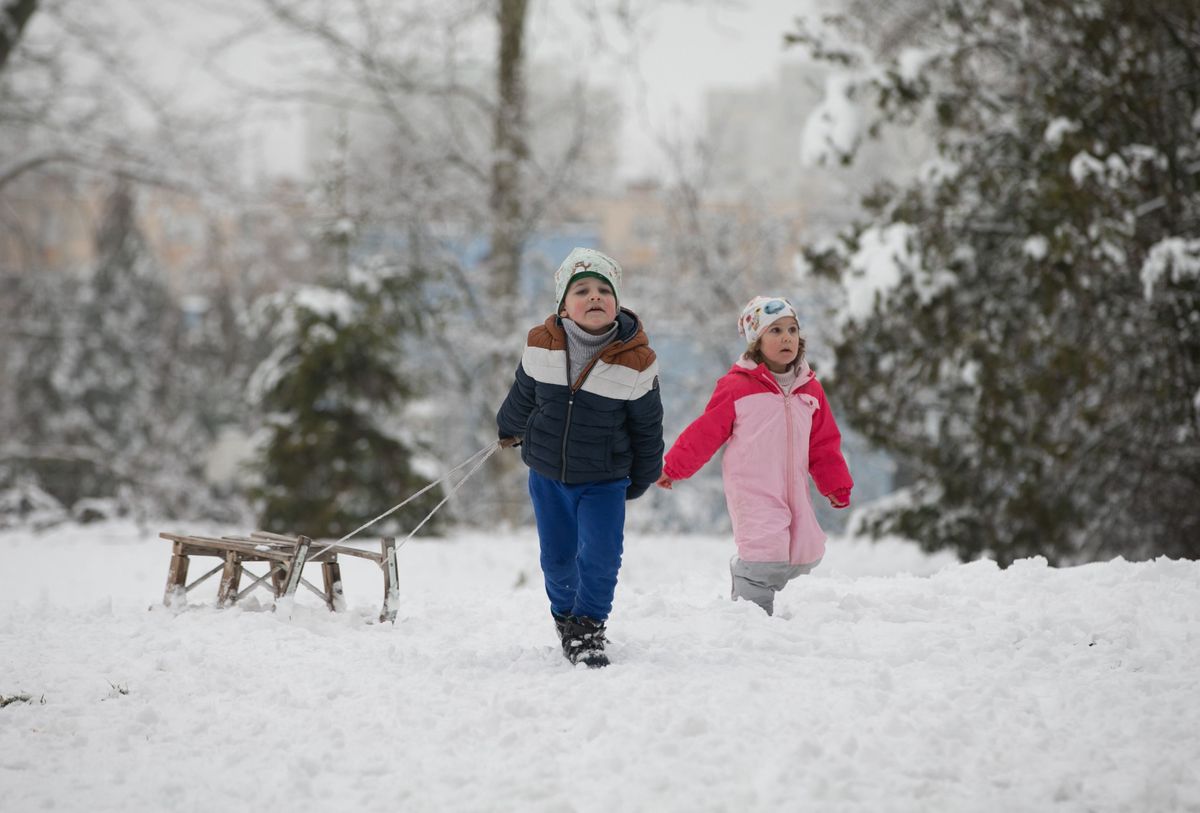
<point>14,15</point>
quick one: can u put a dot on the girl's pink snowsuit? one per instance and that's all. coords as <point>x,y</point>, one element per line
<point>775,440</point>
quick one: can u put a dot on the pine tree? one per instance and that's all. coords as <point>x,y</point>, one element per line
<point>31,459</point>
<point>333,391</point>
<point>1036,365</point>
<point>116,400</point>
<point>107,396</point>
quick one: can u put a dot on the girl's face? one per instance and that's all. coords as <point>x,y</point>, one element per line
<point>591,304</point>
<point>780,345</point>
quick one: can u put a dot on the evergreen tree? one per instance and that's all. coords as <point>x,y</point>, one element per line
<point>98,401</point>
<point>34,310</point>
<point>333,391</point>
<point>1036,364</point>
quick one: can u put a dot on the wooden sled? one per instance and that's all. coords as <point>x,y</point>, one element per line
<point>285,557</point>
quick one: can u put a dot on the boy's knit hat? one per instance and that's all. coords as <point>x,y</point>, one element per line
<point>760,312</point>
<point>586,262</point>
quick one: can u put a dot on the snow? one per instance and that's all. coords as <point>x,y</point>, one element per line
<point>912,62</point>
<point>1176,255</point>
<point>875,269</point>
<point>326,303</point>
<point>888,680</point>
<point>1059,127</point>
<point>1084,165</point>
<point>1036,247</point>
<point>833,129</point>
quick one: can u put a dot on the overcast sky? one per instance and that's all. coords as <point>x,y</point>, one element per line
<point>683,51</point>
<point>683,47</point>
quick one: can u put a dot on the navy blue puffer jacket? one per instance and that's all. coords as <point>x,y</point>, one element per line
<point>605,425</point>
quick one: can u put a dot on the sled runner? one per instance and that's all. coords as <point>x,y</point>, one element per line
<point>285,558</point>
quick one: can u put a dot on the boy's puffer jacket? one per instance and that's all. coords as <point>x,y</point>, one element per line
<point>776,440</point>
<point>606,425</point>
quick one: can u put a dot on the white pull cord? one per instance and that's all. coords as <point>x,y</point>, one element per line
<point>479,458</point>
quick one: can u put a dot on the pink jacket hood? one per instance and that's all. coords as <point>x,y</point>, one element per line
<point>804,373</point>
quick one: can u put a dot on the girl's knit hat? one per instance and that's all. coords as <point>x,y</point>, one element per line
<point>760,312</point>
<point>586,262</point>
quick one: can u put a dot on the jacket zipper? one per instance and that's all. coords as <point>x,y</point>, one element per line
<point>571,398</point>
<point>791,460</point>
<point>570,407</point>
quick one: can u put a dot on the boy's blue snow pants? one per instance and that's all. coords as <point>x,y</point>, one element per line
<point>582,533</point>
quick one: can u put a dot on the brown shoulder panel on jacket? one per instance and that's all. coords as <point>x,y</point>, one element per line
<point>637,358</point>
<point>547,336</point>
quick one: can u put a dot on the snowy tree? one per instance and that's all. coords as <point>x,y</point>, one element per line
<point>1023,323</point>
<point>337,450</point>
<point>337,447</point>
<point>72,79</point>
<point>32,314</point>
<point>99,395</point>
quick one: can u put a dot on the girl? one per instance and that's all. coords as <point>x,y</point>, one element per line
<point>773,412</point>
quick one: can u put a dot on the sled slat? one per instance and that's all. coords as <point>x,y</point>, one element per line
<point>277,537</point>
<point>220,546</point>
<point>340,549</point>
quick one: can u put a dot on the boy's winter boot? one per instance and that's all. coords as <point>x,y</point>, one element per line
<point>583,642</point>
<point>560,623</point>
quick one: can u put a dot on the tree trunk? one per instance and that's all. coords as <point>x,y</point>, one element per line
<point>16,14</point>
<point>506,204</point>
<point>504,261</point>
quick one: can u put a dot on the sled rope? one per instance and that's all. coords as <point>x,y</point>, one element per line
<point>479,458</point>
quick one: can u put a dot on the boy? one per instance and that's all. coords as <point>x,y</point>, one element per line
<point>586,411</point>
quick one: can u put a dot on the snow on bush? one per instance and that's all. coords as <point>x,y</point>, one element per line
<point>1176,256</point>
<point>876,268</point>
<point>834,128</point>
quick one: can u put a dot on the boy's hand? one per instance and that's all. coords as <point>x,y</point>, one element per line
<point>507,442</point>
<point>840,498</point>
<point>664,482</point>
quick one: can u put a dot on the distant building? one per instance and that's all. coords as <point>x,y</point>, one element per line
<point>50,226</point>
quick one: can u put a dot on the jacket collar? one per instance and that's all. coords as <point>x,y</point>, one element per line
<point>760,372</point>
<point>629,329</point>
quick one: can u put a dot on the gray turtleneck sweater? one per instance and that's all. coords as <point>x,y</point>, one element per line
<point>787,378</point>
<point>582,346</point>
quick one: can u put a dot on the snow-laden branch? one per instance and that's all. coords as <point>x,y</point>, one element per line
<point>1175,258</point>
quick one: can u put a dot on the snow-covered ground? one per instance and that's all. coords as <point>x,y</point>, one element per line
<point>888,680</point>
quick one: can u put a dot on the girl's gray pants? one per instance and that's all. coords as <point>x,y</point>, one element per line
<point>760,581</point>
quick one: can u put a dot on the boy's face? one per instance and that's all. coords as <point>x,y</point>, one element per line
<point>591,304</point>
<point>781,343</point>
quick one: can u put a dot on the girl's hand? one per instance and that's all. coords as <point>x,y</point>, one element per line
<point>664,482</point>
<point>840,498</point>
